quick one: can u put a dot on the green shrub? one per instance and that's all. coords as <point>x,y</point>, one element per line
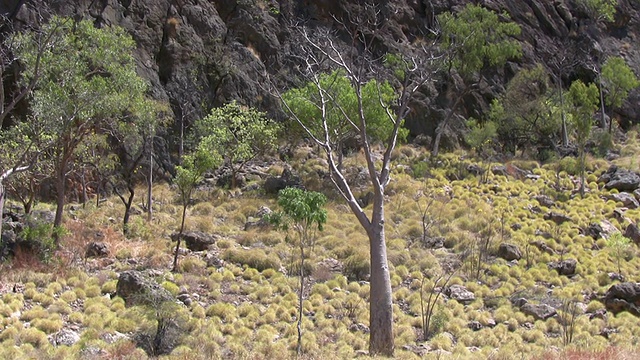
<point>357,267</point>
<point>255,258</point>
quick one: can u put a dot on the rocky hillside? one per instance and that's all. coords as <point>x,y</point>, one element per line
<point>199,54</point>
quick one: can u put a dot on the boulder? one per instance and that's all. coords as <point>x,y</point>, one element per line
<point>538,311</point>
<point>65,337</point>
<point>136,288</point>
<point>565,267</point>
<point>499,170</point>
<point>434,242</point>
<point>97,249</point>
<point>195,240</point>
<point>594,230</point>
<point>258,221</point>
<point>557,217</point>
<point>544,200</point>
<point>273,184</point>
<point>509,252</point>
<point>632,232</point>
<point>625,198</point>
<point>620,179</point>
<point>460,294</point>
<point>623,297</point>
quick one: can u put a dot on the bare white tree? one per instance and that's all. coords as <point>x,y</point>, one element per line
<point>407,71</point>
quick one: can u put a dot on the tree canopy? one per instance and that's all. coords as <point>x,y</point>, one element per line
<point>236,133</point>
<point>476,37</point>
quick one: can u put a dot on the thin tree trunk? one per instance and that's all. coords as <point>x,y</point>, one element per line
<point>603,121</point>
<point>150,186</point>
<point>381,311</point>
<point>300,298</point>
<point>61,179</point>
<point>83,179</point>
<point>2,195</point>
<point>175,257</point>
<point>565,133</point>
<point>127,211</point>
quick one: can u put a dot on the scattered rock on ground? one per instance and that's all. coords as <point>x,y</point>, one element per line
<point>195,240</point>
<point>509,252</point>
<point>545,200</point>
<point>460,294</point>
<point>620,179</point>
<point>623,297</point>
<point>258,221</point>
<point>632,232</point>
<point>97,249</point>
<point>625,198</point>
<point>538,311</point>
<point>65,337</point>
<point>565,267</point>
<point>557,217</point>
<point>137,288</point>
<point>273,184</point>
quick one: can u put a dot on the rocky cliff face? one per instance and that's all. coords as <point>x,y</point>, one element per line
<point>198,54</point>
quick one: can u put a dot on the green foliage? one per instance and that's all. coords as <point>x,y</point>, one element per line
<point>341,100</point>
<point>618,79</point>
<point>480,135</point>
<point>87,76</point>
<point>475,37</point>
<point>301,208</point>
<point>600,9</point>
<point>237,133</point>
<point>585,101</point>
<point>619,247</point>
<point>192,171</point>
<point>526,114</point>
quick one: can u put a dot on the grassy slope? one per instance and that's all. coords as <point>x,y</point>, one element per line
<point>241,312</point>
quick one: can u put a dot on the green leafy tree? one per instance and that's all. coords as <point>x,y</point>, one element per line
<point>86,80</point>
<point>527,114</point>
<point>619,247</point>
<point>131,141</point>
<point>237,133</point>
<point>304,213</point>
<point>360,66</point>
<point>618,79</point>
<point>585,102</point>
<point>188,176</point>
<point>340,106</point>
<point>473,38</point>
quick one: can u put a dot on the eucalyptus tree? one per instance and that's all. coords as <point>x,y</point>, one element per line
<point>305,102</point>
<point>618,79</point>
<point>188,176</point>
<point>303,212</point>
<point>238,134</point>
<point>85,81</point>
<point>405,73</point>
<point>584,99</point>
<point>472,39</point>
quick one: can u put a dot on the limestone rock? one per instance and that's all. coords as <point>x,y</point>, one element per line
<point>65,337</point>
<point>565,267</point>
<point>195,240</point>
<point>627,200</point>
<point>620,179</point>
<point>137,288</point>
<point>97,249</point>
<point>539,311</point>
<point>557,217</point>
<point>632,232</point>
<point>460,294</point>
<point>509,252</point>
<point>623,297</point>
